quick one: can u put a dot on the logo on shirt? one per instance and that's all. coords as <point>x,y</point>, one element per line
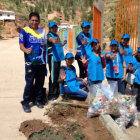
<point>21,37</point>
<point>33,39</point>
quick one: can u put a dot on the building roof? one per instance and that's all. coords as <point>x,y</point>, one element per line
<point>4,11</point>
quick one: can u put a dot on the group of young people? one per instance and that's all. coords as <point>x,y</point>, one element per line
<point>91,59</point>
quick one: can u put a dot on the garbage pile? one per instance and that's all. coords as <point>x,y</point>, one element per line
<point>106,100</point>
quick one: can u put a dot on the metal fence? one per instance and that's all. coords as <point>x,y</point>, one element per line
<point>127,18</point>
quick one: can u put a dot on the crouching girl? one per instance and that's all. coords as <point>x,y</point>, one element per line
<point>71,84</point>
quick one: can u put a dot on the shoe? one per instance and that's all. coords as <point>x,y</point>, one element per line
<point>50,97</point>
<point>26,108</point>
<point>39,104</point>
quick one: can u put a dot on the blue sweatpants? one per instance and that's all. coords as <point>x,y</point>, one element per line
<point>80,93</point>
<point>34,77</point>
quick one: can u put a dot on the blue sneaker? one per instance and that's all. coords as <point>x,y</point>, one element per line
<point>39,104</point>
<point>26,108</point>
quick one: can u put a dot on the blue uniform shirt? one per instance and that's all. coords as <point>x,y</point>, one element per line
<point>129,54</point>
<point>36,39</point>
<point>95,68</point>
<point>57,50</point>
<point>70,80</point>
<point>136,65</point>
<point>110,73</point>
<point>79,39</point>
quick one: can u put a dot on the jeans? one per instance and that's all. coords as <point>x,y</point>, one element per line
<point>34,77</point>
<point>136,92</point>
<point>80,93</point>
<point>121,84</point>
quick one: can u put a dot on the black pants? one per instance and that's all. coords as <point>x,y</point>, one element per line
<point>82,69</point>
<point>54,68</point>
<point>34,77</point>
<point>136,92</point>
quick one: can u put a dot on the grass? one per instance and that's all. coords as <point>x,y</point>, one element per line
<point>74,130</point>
<point>46,134</point>
<point>71,129</point>
<point>62,106</point>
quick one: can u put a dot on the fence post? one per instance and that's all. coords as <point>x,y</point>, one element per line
<point>139,24</point>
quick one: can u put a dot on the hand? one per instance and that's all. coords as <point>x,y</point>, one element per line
<point>112,57</point>
<point>29,50</point>
<point>84,81</point>
<point>101,55</point>
<point>65,42</point>
<point>57,40</point>
<point>84,41</point>
<point>84,60</point>
<point>63,75</point>
<point>123,78</point>
<point>122,52</point>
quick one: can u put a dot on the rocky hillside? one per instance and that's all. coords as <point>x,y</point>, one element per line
<point>73,12</point>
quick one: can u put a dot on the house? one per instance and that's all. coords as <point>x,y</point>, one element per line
<point>7,15</point>
<point>65,26</point>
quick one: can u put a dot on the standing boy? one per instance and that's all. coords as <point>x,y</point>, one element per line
<point>32,40</point>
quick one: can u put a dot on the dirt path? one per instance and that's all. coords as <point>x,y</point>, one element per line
<point>11,90</point>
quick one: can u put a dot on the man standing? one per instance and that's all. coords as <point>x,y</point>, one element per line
<point>32,40</point>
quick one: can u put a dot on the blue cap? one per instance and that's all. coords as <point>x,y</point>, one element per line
<point>69,55</point>
<point>52,23</point>
<point>85,23</point>
<point>95,40</point>
<point>114,42</point>
<point>138,49</point>
<point>126,36</point>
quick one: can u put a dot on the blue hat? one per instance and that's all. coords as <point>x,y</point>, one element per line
<point>85,23</point>
<point>69,55</point>
<point>138,49</point>
<point>52,23</point>
<point>126,36</point>
<point>114,42</point>
<point>95,40</point>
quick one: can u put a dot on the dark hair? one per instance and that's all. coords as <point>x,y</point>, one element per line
<point>138,59</point>
<point>34,14</point>
<point>99,50</point>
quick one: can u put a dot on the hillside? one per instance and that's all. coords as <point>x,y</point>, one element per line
<point>74,12</point>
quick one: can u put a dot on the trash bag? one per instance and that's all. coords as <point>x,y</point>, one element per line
<point>128,111</point>
<point>103,99</point>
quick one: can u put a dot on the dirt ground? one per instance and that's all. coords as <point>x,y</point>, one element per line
<point>66,119</point>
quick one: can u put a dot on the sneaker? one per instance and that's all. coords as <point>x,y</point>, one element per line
<point>39,104</point>
<point>26,108</point>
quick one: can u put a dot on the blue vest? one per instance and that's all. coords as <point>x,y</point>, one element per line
<point>57,50</point>
<point>110,73</point>
<point>72,84</point>
<point>136,65</point>
<point>129,54</point>
<point>80,49</point>
<point>88,40</point>
<point>95,68</point>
